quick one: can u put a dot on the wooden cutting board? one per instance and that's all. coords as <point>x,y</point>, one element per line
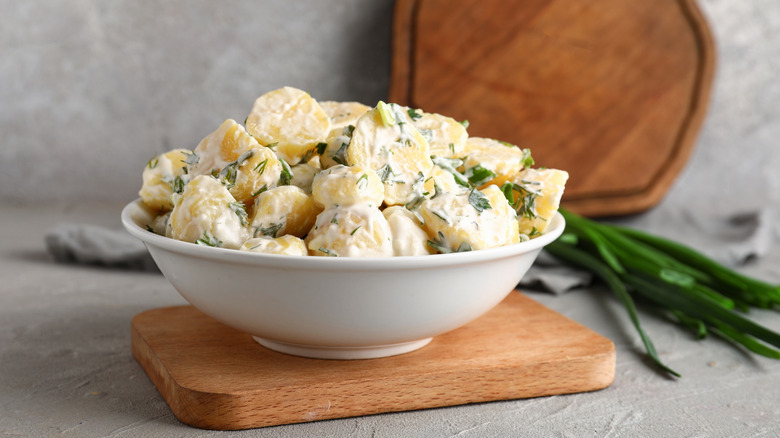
<point>613,91</point>
<point>215,377</point>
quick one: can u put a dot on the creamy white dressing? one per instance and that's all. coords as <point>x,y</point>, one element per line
<point>409,239</point>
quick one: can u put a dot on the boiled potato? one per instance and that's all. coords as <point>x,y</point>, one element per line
<point>409,238</point>
<point>160,178</point>
<point>343,114</point>
<point>444,180</point>
<point>291,120</point>
<point>303,175</point>
<point>283,210</point>
<point>502,159</point>
<point>386,141</point>
<point>207,214</point>
<point>470,221</point>
<point>256,171</point>
<point>284,245</point>
<point>161,225</point>
<point>358,230</point>
<point>537,193</point>
<point>346,185</point>
<point>446,136</point>
<point>223,146</point>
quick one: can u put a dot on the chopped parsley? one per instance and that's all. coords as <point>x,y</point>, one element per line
<point>525,201</point>
<point>413,114</point>
<point>478,175</point>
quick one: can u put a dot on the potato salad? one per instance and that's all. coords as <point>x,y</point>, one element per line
<point>343,179</point>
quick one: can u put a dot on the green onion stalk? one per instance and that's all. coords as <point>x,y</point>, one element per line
<point>697,292</point>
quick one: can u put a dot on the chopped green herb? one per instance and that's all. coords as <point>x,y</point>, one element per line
<point>362,182</point>
<point>527,160</point>
<point>149,228</point>
<point>260,190</point>
<point>260,168</point>
<point>441,216</point>
<point>178,185</point>
<point>153,163</point>
<point>321,146</point>
<point>354,231</point>
<point>335,219</point>
<point>287,174</point>
<point>340,156</point>
<point>327,252</point>
<point>478,175</point>
<point>413,114</point>
<point>209,240</point>
<point>348,130</point>
<point>229,173</point>
<point>272,145</point>
<point>192,158</point>
<point>465,124</point>
<point>452,148</point>
<point>386,175</point>
<point>479,201</point>
<point>240,210</point>
<point>440,244</point>
<point>426,133</point>
<point>270,231</point>
<point>451,165</point>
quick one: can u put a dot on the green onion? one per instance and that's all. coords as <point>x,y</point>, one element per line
<point>699,293</point>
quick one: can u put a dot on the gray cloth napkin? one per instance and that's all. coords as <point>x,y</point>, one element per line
<point>94,245</point>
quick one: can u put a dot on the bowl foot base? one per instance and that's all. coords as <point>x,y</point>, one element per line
<point>343,353</point>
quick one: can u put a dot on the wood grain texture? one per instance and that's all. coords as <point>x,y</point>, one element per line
<point>612,91</point>
<point>215,377</point>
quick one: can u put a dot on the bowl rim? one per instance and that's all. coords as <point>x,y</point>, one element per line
<point>131,212</point>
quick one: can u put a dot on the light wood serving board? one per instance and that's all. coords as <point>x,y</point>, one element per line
<point>215,377</point>
<point>613,91</point>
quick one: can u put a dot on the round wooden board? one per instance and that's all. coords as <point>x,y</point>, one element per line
<point>612,91</point>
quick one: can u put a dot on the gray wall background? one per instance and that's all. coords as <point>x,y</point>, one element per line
<point>91,89</point>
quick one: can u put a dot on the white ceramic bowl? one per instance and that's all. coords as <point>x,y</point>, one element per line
<point>339,308</point>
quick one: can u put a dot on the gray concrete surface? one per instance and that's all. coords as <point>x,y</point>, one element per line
<point>89,90</point>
